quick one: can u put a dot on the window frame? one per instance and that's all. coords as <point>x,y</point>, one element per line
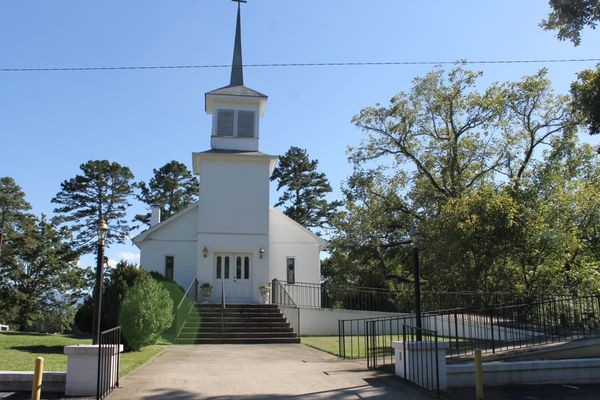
<point>287,270</point>
<point>172,256</point>
<point>235,110</point>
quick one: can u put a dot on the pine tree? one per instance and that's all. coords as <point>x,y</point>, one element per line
<point>304,189</point>
<point>101,192</point>
<point>41,270</point>
<point>13,206</point>
<point>173,188</point>
<point>13,218</point>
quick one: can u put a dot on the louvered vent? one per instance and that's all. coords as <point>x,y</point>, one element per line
<point>225,123</point>
<point>245,124</point>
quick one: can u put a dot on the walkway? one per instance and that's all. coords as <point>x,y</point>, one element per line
<point>223,372</point>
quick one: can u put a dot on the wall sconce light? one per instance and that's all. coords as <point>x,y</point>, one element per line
<point>261,252</point>
<point>205,252</point>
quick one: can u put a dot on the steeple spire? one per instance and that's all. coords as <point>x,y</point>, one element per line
<point>237,72</point>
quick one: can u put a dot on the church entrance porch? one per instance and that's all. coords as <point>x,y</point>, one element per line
<point>233,278</point>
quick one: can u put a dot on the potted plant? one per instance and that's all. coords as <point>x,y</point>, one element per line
<point>205,290</point>
<point>265,292</point>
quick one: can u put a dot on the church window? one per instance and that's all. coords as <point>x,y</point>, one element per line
<point>169,267</point>
<point>225,119</point>
<point>219,267</point>
<point>246,267</point>
<point>240,123</point>
<point>226,267</point>
<point>291,270</point>
<point>238,268</point>
<point>245,125</point>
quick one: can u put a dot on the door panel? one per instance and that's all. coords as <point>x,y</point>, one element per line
<point>232,273</point>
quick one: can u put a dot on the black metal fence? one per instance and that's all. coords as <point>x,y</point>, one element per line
<point>286,303</point>
<point>494,330</point>
<point>420,358</point>
<point>109,361</point>
<point>315,295</point>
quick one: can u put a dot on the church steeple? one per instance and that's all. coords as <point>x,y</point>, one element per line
<point>236,108</point>
<point>237,72</point>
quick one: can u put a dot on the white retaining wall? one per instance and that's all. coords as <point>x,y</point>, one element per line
<point>324,321</point>
<point>574,371</point>
<point>22,381</point>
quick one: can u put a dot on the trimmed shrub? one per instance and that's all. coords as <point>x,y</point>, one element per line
<point>146,312</point>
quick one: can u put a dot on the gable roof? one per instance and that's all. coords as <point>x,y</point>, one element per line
<point>236,90</point>
<point>323,244</point>
<point>143,235</point>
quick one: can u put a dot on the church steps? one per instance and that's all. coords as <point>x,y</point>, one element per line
<point>239,323</point>
<point>236,314</point>
<point>237,327</point>
<point>238,335</point>
<point>277,340</point>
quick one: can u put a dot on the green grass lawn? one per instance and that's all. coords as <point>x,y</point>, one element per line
<point>330,344</point>
<point>355,345</point>
<point>18,352</point>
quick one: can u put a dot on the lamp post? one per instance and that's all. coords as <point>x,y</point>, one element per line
<point>415,235</point>
<point>102,233</point>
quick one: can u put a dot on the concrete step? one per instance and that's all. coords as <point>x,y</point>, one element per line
<point>200,320</point>
<point>238,315</point>
<point>237,306</point>
<point>242,323</point>
<point>217,335</point>
<point>204,329</point>
<point>280,340</point>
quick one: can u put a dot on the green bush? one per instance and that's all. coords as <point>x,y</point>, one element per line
<point>146,312</point>
<point>116,284</point>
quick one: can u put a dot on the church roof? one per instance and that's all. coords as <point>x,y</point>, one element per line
<point>236,90</point>
<point>240,152</point>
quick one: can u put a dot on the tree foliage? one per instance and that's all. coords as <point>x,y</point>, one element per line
<point>146,312</point>
<point>505,197</point>
<point>13,206</point>
<point>586,98</point>
<point>102,191</point>
<point>40,270</point>
<point>173,188</point>
<point>117,282</point>
<point>305,189</point>
<point>570,17</point>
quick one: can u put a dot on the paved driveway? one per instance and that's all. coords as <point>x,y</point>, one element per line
<point>258,372</point>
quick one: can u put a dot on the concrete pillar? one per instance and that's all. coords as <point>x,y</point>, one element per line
<point>418,365</point>
<point>82,368</point>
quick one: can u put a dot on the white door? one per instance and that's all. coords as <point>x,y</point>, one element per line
<point>233,272</point>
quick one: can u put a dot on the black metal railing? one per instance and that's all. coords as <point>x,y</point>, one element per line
<point>109,360</point>
<point>185,306</point>
<point>420,358</point>
<point>315,295</point>
<point>286,303</point>
<point>494,330</point>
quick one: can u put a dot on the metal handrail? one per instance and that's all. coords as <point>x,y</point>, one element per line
<point>179,324</point>
<point>108,370</point>
<point>289,300</point>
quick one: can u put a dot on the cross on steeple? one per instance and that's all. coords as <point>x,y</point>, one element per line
<point>237,73</point>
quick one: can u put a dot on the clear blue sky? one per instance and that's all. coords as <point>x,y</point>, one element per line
<point>51,122</point>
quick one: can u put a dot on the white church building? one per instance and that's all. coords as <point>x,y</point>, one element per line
<point>232,238</point>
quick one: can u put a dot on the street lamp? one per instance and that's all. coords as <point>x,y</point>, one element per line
<point>102,233</point>
<point>415,236</point>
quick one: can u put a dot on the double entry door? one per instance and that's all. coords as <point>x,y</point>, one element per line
<point>233,277</point>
